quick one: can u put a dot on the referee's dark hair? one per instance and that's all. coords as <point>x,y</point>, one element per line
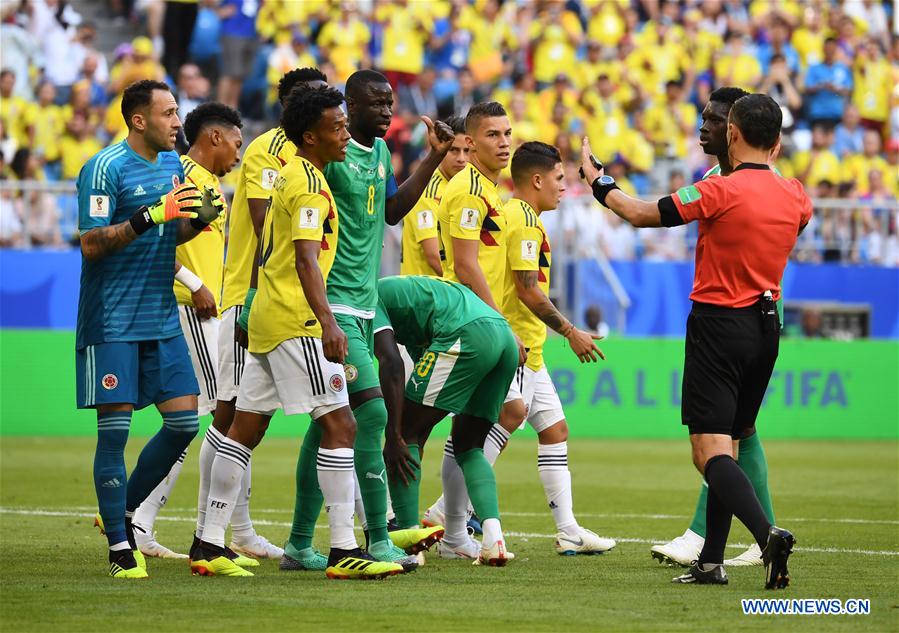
<point>360,80</point>
<point>139,95</point>
<point>758,118</point>
<point>727,94</point>
<point>304,108</point>
<point>209,114</point>
<point>532,157</point>
<point>482,110</point>
<point>456,123</point>
<point>298,76</point>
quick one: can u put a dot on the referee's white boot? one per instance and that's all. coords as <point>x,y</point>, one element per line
<point>750,558</point>
<point>681,551</point>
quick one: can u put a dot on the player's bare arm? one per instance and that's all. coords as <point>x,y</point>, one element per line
<point>530,294</point>
<point>638,213</point>
<point>100,242</point>
<point>334,341</point>
<point>258,208</point>
<point>431,250</point>
<point>440,139</point>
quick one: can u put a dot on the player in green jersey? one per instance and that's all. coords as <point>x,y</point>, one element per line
<point>751,457</point>
<point>367,196</point>
<point>465,358</point>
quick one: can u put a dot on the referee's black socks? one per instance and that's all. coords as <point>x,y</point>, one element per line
<point>730,494</point>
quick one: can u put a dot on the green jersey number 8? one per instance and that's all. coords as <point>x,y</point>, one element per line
<point>371,200</point>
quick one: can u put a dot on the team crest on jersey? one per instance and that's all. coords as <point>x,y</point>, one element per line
<point>382,173</point>
<point>336,383</point>
<point>109,382</point>
<point>176,182</point>
<point>99,206</point>
<point>351,372</point>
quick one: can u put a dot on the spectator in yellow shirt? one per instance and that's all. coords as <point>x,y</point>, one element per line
<point>491,40</point>
<point>344,41</point>
<point>559,92</point>
<point>292,52</point>
<point>735,66</point>
<point>820,164</point>
<point>670,122</point>
<point>555,36</point>
<point>77,146</point>
<point>604,118</point>
<point>607,21</point>
<point>46,125</point>
<point>407,27</point>
<point>872,79</point>
<point>860,166</point>
<point>13,109</point>
<point>808,39</point>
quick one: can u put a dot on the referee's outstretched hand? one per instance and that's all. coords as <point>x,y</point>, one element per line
<point>588,170</point>
<point>582,344</point>
<point>440,135</point>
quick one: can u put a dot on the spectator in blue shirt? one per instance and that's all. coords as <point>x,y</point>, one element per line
<point>849,133</point>
<point>239,42</point>
<point>827,87</point>
<point>778,44</point>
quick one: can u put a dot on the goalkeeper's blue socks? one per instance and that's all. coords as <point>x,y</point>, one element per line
<point>110,477</point>
<point>160,453</point>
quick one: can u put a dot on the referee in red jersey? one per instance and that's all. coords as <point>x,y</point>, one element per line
<point>748,225</point>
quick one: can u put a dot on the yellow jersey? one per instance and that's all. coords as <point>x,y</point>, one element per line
<point>204,255</point>
<point>471,209</point>
<point>302,208</point>
<point>421,224</point>
<point>49,126</point>
<point>14,115</point>
<point>262,162</point>
<point>75,153</point>
<point>528,249</point>
<point>825,166</point>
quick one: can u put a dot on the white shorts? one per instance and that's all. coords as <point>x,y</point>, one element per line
<point>295,377</point>
<point>232,356</point>
<point>515,389</point>
<point>202,340</point>
<point>539,394</point>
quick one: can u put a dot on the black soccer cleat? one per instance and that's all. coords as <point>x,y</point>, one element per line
<point>699,576</point>
<point>777,551</point>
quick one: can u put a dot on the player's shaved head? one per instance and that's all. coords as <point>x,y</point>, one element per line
<point>480,111</point>
<point>533,157</point>
<point>138,96</point>
<point>359,81</point>
<point>209,114</point>
<point>312,77</point>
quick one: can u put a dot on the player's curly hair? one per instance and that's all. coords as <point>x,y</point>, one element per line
<point>304,108</point>
<point>298,76</point>
<point>482,110</point>
<point>456,123</point>
<point>209,114</point>
<point>531,157</point>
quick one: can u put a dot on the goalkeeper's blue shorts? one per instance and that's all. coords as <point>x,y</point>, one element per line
<point>139,373</point>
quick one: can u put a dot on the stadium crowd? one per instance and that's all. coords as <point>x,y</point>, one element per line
<point>632,75</point>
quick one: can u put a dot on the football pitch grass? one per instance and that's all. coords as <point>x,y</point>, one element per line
<point>839,498</point>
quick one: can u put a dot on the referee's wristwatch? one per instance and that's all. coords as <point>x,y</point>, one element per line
<point>601,188</point>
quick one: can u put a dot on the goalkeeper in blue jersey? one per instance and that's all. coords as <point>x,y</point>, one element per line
<point>129,349</point>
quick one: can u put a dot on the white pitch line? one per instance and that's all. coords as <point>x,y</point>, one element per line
<point>185,519</point>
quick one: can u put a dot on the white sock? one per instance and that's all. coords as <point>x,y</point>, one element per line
<point>552,466</point>
<point>358,505</point>
<point>211,442</point>
<point>145,515</point>
<point>455,497</point>
<point>119,546</point>
<point>493,445</point>
<point>241,524</point>
<point>391,515</point>
<point>336,478</point>
<point>493,532</point>
<point>224,487</point>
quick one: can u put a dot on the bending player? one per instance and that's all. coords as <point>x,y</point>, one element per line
<point>130,351</point>
<point>262,161</point>
<point>296,346</point>
<point>367,195</point>
<point>466,356</point>
<point>685,549</point>
<point>213,133</point>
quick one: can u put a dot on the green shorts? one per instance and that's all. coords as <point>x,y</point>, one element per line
<point>359,365</point>
<point>468,372</point>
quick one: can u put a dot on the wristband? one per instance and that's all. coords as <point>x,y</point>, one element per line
<point>141,221</point>
<point>244,319</point>
<point>198,224</point>
<point>189,279</point>
<point>601,188</point>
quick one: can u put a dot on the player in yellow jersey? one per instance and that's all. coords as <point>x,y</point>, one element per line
<point>213,132</point>
<point>473,235</point>
<point>421,243</point>
<point>296,349</point>
<point>539,183</point>
<point>262,162</point>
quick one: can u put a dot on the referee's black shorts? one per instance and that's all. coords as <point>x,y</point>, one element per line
<point>728,360</point>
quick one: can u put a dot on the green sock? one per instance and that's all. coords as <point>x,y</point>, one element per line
<point>698,524</point>
<point>309,499</point>
<point>371,420</point>
<point>405,498</point>
<point>751,459</point>
<point>480,482</point>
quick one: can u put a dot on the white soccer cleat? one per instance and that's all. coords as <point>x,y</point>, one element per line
<point>257,546</point>
<point>681,551</point>
<point>149,546</point>
<point>750,558</point>
<point>469,550</point>
<point>420,559</point>
<point>495,555</point>
<point>433,517</point>
<point>586,542</point>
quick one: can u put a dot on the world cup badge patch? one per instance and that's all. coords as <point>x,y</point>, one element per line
<point>109,382</point>
<point>336,383</point>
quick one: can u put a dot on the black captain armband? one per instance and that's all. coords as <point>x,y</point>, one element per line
<point>668,212</point>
